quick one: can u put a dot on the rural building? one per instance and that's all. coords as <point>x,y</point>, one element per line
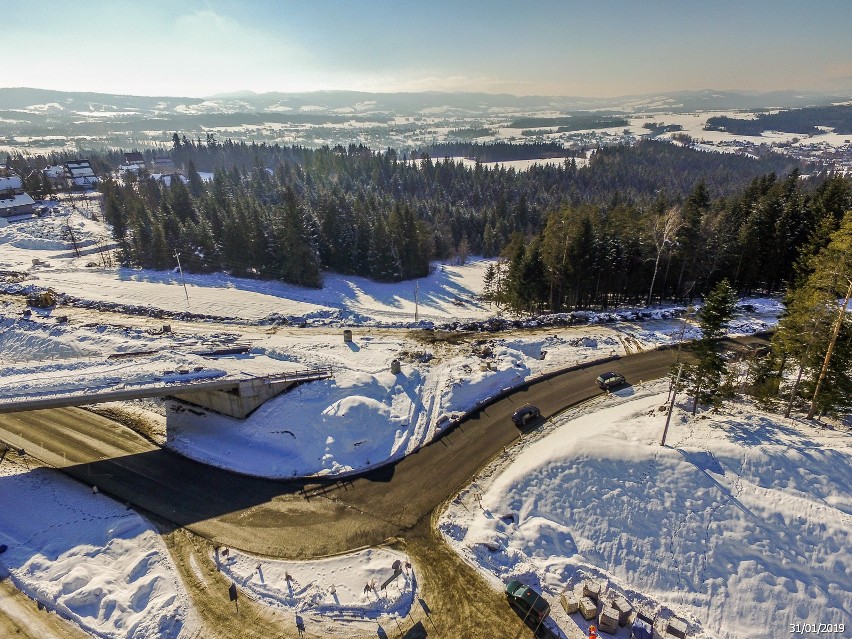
<point>10,184</point>
<point>20,204</point>
<point>80,175</point>
<point>133,161</point>
<point>13,200</point>
<point>163,166</point>
<point>55,175</point>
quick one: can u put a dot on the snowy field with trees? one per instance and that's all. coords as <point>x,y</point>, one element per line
<point>364,416</point>
<point>743,516</point>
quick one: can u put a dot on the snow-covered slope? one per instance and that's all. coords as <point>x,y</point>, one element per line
<point>85,556</point>
<point>741,524</point>
<point>339,596</point>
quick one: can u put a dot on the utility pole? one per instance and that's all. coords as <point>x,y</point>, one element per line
<point>671,404</point>
<point>71,233</point>
<point>689,312</point>
<point>182,281</point>
<point>824,370</point>
<point>416,301</point>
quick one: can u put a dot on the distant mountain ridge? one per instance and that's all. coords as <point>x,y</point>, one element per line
<point>342,102</point>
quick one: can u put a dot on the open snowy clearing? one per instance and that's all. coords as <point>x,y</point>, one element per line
<point>740,525</point>
<point>450,293</point>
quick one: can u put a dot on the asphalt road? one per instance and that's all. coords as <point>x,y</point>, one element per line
<point>297,519</point>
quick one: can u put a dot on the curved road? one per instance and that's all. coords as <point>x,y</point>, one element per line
<point>297,518</point>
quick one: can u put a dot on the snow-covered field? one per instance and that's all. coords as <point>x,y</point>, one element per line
<point>364,416</point>
<point>86,557</point>
<point>450,293</point>
<point>339,596</point>
<point>740,525</point>
<point>102,566</point>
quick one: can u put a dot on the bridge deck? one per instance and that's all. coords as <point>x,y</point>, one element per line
<point>18,403</point>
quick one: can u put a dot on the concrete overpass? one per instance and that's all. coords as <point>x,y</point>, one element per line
<point>233,397</point>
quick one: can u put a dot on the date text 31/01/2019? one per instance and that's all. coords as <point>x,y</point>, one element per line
<point>817,628</point>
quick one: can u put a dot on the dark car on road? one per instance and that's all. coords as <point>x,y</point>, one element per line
<point>610,380</point>
<point>528,600</point>
<point>525,415</point>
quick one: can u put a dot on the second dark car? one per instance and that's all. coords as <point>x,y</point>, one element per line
<point>528,600</point>
<point>525,415</point>
<point>610,380</point>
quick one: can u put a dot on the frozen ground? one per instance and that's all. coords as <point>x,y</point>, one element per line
<point>740,525</point>
<point>364,416</point>
<point>86,557</point>
<point>339,596</point>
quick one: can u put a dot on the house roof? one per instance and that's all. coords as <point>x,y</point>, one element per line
<point>11,183</point>
<point>78,164</point>
<point>16,200</point>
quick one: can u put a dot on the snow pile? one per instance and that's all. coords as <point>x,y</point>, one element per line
<point>740,525</point>
<point>339,595</point>
<point>329,427</point>
<point>84,556</point>
<point>472,380</point>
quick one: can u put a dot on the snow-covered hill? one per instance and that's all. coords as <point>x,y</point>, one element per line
<point>739,525</point>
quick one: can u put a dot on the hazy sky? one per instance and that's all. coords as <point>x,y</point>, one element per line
<point>595,48</point>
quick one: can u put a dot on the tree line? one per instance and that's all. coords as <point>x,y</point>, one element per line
<point>809,363</point>
<point>291,212</point>
<point>805,121</point>
<point>597,256</point>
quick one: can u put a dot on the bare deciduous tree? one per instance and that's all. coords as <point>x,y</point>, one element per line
<point>664,230</point>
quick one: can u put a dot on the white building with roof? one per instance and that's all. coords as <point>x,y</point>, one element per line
<point>11,184</point>
<point>20,204</point>
<point>79,174</point>
<point>55,175</point>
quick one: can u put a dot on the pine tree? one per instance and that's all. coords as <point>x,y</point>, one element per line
<point>812,316</point>
<point>704,376</point>
<point>385,264</point>
<point>488,282</point>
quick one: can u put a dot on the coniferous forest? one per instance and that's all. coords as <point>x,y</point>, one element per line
<point>650,222</point>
